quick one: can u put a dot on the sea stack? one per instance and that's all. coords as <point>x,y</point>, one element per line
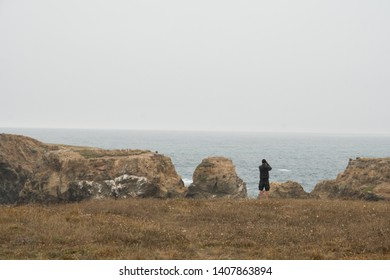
<point>216,177</point>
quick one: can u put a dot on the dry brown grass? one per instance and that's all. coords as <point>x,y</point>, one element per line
<point>197,229</point>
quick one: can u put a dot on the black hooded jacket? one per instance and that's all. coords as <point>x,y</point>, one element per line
<point>264,170</point>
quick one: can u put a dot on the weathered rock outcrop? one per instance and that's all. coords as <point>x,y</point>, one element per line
<point>216,177</point>
<point>288,189</point>
<point>364,178</point>
<point>18,157</point>
<point>32,171</point>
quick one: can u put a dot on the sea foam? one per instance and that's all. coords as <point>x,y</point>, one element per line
<point>187,182</point>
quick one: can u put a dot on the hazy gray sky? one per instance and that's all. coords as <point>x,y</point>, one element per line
<point>313,66</point>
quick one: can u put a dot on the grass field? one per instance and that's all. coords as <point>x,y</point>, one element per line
<point>197,229</point>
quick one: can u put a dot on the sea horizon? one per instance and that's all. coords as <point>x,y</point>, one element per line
<point>299,132</point>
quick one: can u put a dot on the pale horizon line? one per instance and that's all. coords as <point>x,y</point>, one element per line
<point>352,133</point>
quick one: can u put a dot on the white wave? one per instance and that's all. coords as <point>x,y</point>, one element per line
<point>284,170</point>
<point>187,182</point>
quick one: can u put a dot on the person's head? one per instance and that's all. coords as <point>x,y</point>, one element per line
<point>263,161</point>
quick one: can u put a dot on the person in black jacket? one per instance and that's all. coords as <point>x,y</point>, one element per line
<point>264,178</point>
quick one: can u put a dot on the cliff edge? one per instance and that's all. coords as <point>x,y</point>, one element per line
<point>31,171</point>
<point>364,178</point>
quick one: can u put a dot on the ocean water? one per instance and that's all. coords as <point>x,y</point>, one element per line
<point>304,158</point>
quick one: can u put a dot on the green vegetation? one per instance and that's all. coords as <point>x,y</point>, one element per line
<point>197,229</point>
<point>368,189</point>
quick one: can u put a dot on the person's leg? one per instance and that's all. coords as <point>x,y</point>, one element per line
<point>267,188</point>
<point>260,190</point>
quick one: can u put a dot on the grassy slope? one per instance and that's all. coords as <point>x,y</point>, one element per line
<point>197,229</point>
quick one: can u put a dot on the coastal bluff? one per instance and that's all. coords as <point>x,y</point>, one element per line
<point>32,171</point>
<point>363,178</point>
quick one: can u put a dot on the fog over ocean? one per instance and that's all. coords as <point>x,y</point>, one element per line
<point>304,158</point>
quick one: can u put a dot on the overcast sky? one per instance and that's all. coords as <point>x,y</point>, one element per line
<point>293,66</point>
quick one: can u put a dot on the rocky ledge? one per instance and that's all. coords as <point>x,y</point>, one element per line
<point>288,189</point>
<point>364,178</point>
<point>31,171</point>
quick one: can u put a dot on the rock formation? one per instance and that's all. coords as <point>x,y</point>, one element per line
<point>288,189</point>
<point>216,177</point>
<point>32,171</point>
<point>18,156</point>
<point>364,178</point>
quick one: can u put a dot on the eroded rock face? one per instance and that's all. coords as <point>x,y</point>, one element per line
<point>18,156</point>
<point>288,189</point>
<point>216,177</point>
<point>31,171</point>
<point>364,178</point>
